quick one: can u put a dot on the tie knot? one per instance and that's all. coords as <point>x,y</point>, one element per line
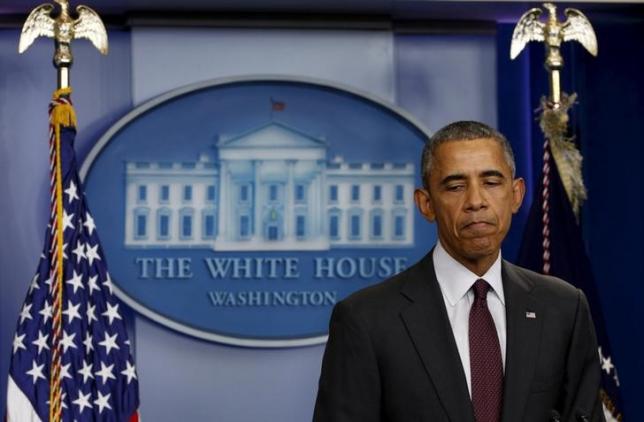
<point>481,287</point>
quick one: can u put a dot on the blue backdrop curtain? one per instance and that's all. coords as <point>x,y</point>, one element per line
<point>607,123</point>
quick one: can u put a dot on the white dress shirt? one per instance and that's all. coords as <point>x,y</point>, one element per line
<point>456,282</point>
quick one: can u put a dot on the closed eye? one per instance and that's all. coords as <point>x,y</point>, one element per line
<point>492,182</point>
<point>455,188</point>
<point>454,182</point>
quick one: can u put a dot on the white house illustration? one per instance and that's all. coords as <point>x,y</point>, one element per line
<point>272,188</point>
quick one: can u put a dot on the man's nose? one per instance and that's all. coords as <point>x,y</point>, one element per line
<point>475,198</point>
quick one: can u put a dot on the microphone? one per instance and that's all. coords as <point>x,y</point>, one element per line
<point>555,416</point>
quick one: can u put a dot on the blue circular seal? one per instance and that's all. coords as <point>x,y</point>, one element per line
<point>241,211</point>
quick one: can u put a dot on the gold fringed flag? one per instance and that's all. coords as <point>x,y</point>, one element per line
<point>71,359</point>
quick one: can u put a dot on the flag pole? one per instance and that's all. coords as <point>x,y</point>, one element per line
<point>63,28</point>
<point>554,109</point>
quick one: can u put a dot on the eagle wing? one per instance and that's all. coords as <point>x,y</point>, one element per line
<point>529,28</point>
<point>578,28</point>
<point>90,26</point>
<point>38,24</point>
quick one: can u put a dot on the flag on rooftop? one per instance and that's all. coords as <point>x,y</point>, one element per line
<point>277,105</point>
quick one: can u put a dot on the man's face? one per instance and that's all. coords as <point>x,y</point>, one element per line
<point>472,197</point>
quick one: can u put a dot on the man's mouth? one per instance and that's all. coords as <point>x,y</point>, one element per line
<point>478,226</point>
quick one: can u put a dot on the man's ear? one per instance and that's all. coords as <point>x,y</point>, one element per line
<point>424,203</point>
<point>518,192</point>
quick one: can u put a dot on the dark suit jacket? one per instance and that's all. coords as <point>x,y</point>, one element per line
<point>391,354</point>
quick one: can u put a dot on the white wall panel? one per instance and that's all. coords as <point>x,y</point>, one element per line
<point>163,59</point>
<point>441,79</point>
<point>186,379</point>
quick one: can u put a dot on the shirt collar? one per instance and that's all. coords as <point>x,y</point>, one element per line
<point>456,280</point>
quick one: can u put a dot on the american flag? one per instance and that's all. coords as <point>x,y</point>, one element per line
<point>97,375</point>
<point>553,244</point>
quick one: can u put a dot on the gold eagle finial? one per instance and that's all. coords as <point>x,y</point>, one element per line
<point>575,28</point>
<point>553,32</point>
<point>63,29</point>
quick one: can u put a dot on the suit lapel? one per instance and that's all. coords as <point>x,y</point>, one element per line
<point>429,328</point>
<point>524,322</point>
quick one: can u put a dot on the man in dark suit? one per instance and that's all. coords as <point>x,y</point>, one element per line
<point>463,335</point>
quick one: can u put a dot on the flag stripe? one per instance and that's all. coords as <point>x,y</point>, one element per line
<point>21,409</point>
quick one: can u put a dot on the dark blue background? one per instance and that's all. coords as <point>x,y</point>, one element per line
<point>608,125</point>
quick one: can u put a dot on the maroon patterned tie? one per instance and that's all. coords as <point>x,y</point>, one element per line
<point>485,358</point>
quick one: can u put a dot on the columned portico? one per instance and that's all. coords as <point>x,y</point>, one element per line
<point>257,202</point>
<point>289,203</point>
<point>273,188</point>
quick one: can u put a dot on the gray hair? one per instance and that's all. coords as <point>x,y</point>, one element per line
<point>462,131</point>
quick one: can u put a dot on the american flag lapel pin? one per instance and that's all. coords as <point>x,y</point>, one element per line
<point>531,315</point>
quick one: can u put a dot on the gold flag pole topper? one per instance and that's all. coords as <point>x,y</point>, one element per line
<point>575,28</point>
<point>554,109</point>
<point>63,29</point>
